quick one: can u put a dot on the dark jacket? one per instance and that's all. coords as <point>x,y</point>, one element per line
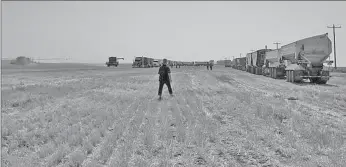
<point>164,70</point>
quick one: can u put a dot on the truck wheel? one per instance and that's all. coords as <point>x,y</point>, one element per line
<point>288,76</point>
<point>320,81</point>
<point>271,72</point>
<point>293,76</point>
<point>274,71</point>
<point>313,80</point>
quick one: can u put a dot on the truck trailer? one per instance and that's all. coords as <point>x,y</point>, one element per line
<point>256,60</point>
<point>302,59</point>
<point>142,62</point>
<point>228,63</point>
<point>241,63</point>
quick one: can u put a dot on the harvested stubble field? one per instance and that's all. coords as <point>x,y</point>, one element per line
<point>99,116</point>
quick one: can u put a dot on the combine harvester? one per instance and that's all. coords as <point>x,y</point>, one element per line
<point>300,60</point>
<point>113,61</point>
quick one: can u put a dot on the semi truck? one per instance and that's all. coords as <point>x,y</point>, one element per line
<point>141,62</point>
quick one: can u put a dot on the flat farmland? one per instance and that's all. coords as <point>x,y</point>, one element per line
<point>93,116</point>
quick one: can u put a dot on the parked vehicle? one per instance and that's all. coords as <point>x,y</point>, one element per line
<point>228,63</point>
<point>156,63</point>
<point>299,60</point>
<point>256,60</point>
<point>141,62</point>
<point>113,61</point>
<point>240,63</point>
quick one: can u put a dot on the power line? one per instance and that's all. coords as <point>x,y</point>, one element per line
<point>277,44</point>
<point>334,43</point>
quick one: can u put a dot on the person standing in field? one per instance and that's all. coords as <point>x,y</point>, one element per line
<point>207,66</point>
<point>165,78</point>
<point>211,66</point>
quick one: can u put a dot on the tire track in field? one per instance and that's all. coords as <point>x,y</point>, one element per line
<point>115,128</point>
<point>258,92</point>
<point>67,158</point>
<point>194,153</point>
<point>316,108</point>
<point>214,151</point>
<point>224,148</point>
<point>123,152</point>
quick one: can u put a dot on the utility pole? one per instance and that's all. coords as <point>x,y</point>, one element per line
<point>277,44</point>
<point>334,43</point>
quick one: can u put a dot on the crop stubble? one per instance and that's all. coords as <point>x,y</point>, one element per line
<point>222,117</point>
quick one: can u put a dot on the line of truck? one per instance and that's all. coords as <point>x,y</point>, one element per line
<point>147,62</point>
<point>297,61</point>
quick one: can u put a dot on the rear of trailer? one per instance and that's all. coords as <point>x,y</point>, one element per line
<point>273,68</point>
<point>228,63</point>
<point>304,59</point>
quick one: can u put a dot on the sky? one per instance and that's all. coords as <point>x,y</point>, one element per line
<point>91,31</point>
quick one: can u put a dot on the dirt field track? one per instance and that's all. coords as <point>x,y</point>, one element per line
<point>95,116</point>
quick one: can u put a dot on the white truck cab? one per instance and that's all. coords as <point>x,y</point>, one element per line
<point>156,63</point>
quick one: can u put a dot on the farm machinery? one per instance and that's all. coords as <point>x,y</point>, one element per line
<point>156,63</point>
<point>211,62</point>
<point>201,63</point>
<point>302,59</point>
<point>143,62</point>
<point>113,61</point>
<point>228,63</point>
<point>239,63</point>
<point>255,61</point>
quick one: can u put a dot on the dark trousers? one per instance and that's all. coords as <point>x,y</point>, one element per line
<point>168,85</point>
<point>207,67</point>
<point>211,67</point>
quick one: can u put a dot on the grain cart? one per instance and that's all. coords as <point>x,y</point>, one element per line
<point>304,59</point>
<point>113,61</point>
<point>228,63</point>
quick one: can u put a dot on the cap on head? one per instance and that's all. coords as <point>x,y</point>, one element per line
<point>164,61</point>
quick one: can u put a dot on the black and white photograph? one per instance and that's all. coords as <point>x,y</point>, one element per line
<point>173,83</point>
